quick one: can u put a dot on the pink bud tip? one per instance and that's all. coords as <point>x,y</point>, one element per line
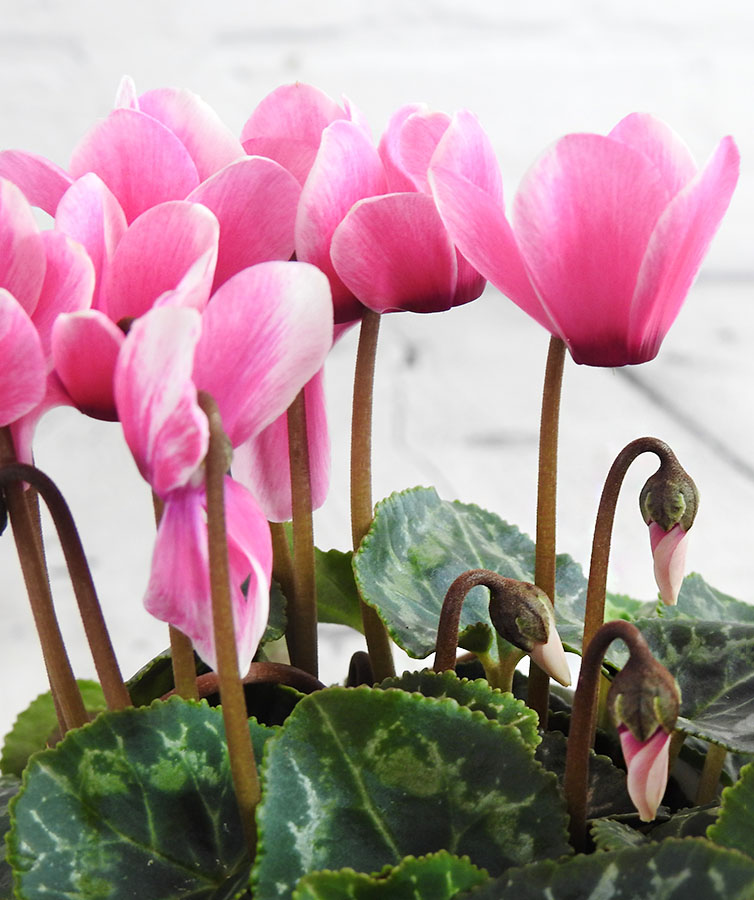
<point>669,551</point>
<point>550,656</point>
<point>647,764</point>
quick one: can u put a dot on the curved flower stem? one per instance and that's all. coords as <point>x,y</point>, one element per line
<point>713,767</point>
<point>499,675</point>
<point>181,648</point>
<point>362,512</point>
<point>302,623</point>
<point>65,691</point>
<point>240,751</point>
<point>105,662</point>
<point>544,563</point>
<point>261,673</point>
<point>582,720</point>
<point>596,589</point>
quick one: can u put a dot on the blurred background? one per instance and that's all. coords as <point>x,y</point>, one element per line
<point>457,394</point>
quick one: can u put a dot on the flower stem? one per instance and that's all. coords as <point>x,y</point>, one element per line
<point>261,673</point>
<point>282,562</point>
<point>597,586</point>
<point>547,483</point>
<point>582,720</point>
<point>65,691</point>
<point>302,623</point>
<point>105,662</point>
<point>713,767</point>
<point>240,750</point>
<point>181,648</point>
<point>362,512</point>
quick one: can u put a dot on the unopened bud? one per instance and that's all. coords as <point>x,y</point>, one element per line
<point>669,498</point>
<point>643,697</point>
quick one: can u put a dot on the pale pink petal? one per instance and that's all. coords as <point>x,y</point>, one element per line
<point>42,181</point>
<point>22,253</point>
<point>126,96</point>
<point>288,124</point>
<point>89,213</point>
<point>467,187</point>
<point>22,430</point>
<point>85,347</point>
<point>255,201</point>
<point>68,284</point>
<point>265,333</point>
<point>249,560</point>
<point>676,249</point>
<point>661,144</point>
<point>139,159</point>
<point>163,424</point>
<point>419,137</point>
<point>393,253</point>
<point>551,657</point>
<point>347,169</point>
<point>210,144</point>
<point>263,465</point>
<point>669,552</point>
<point>582,218</point>
<point>398,179</point>
<point>23,372</point>
<point>355,115</point>
<point>647,764</point>
<point>156,252</point>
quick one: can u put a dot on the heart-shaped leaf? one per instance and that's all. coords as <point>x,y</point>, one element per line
<point>735,825</point>
<point>362,777</point>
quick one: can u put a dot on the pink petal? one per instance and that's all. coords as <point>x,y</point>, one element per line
<point>394,253</point>
<point>551,657</point>
<point>583,216</point>
<point>139,159</point>
<point>126,96</point>
<point>163,425</point>
<point>42,182</point>
<point>661,145</point>
<point>676,249</point>
<point>287,126</point>
<point>467,187</point>
<point>398,179</point>
<point>22,430</point>
<point>156,252</point>
<point>22,253</point>
<point>420,135</point>
<point>265,333</point>
<point>249,558</point>
<point>263,465</point>
<point>85,347</point>
<point>647,764</point>
<point>68,284</point>
<point>669,552</point>
<point>89,213</point>
<point>210,144</point>
<point>347,169</point>
<point>23,372</point>
<point>237,195</point>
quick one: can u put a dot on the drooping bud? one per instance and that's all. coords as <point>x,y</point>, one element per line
<point>522,614</point>
<point>669,502</point>
<point>643,702</point>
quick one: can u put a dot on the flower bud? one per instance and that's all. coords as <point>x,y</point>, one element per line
<point>668,502</point>
<point>524,616</point>
<point>643,702</point>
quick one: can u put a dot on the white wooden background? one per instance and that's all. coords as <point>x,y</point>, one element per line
<point>457,399</point>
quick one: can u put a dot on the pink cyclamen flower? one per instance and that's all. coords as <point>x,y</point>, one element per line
<point>606,236</point>
<point>266,332</point>
<point>647,764</point>
<point>669,553</point>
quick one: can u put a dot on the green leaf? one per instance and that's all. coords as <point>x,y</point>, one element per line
<point>418,544</point>
<point>9,787</point>
<point>735,825</point>
<point>692,822</point>
<point>439,876</point>
<point>38,724</point>
<point>608,834</point>
<point>277,620</point>
<point>477,695</point>
<point>362,777</point>
<point>689,869</point>
<point>337,596</point>
<point>138,803</point>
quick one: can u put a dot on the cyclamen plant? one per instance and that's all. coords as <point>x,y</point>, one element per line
<point>166,297</point>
